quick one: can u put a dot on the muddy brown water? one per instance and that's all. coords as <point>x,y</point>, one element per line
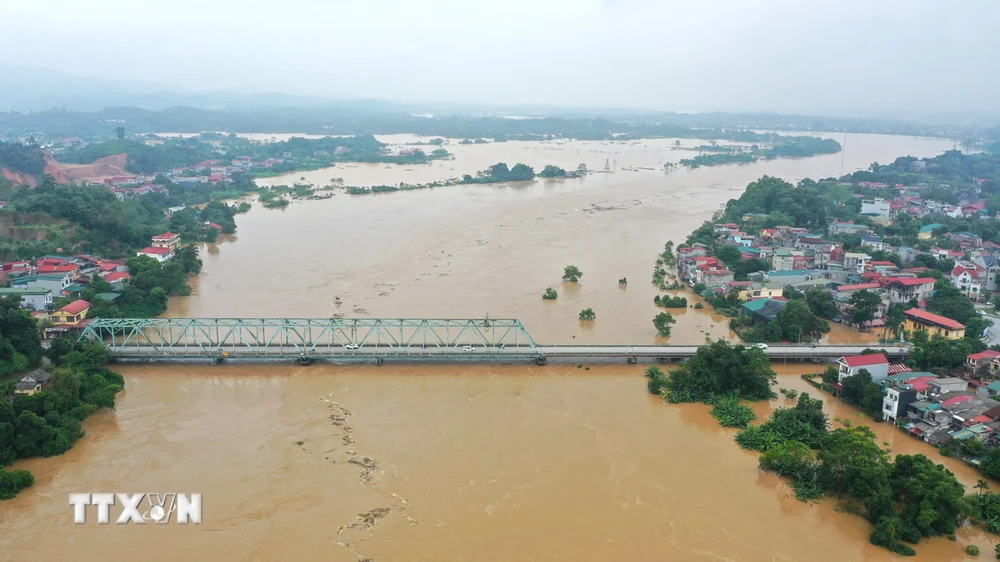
<point>478,463</point>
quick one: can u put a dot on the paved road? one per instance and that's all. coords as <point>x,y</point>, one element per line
<point>485,354</point>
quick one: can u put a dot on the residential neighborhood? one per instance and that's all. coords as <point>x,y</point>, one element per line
<point>44,280</point>
<point>802,260</point>
<point>934,408</point>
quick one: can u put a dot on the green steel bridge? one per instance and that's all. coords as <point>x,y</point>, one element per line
<point>306,340</point>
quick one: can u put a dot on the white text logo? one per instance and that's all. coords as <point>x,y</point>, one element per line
<point>138,508</point>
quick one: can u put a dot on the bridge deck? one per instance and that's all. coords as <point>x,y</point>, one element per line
<point>482,340</point>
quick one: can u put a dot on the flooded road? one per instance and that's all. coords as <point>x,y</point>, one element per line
<point>457,463</point>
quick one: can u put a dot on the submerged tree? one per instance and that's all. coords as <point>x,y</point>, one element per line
<point>572,273</point>
<point>662,322</point>
<point>550,294</point>
<point>587,314</point>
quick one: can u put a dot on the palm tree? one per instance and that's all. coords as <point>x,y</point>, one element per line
<point>983,486</point>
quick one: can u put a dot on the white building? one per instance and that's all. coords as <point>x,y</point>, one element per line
<point>35,298</point>
<point>158,254</point>
<point>879,207</point>
<point>876,364</point>
<point>856,262</point>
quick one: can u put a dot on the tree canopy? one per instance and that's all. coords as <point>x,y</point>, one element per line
<point>720,369</point>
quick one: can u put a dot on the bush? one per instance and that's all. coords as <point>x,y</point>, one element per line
<point>758,438</point>
<point>13,481</point>
<point>550,294</point>
<point>731,413</point>
<point>788,458</point>
<point>972,550</point>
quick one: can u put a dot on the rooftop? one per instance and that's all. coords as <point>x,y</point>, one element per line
<point>155,251</point>
<point>864,360</point>
<point>76,307</point>
<point>936,319</point>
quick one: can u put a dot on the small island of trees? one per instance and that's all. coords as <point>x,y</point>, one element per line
<point>572,273</point>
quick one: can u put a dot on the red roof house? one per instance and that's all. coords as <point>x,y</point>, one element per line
<point>117,277</point>
<point>935,323</point>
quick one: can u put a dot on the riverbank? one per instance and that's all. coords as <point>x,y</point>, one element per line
<point>846,463</point>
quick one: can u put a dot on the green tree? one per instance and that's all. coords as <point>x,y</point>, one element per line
<point>572,273</point>
<point>789,458</point>
<point>587,314</point>
<point>852,463</point>
<point>796,321</point>
<point>864,306</point>
<point>550,294</point>
<point>990,465</point>
<point>820,303</point>
<point>938,352</point>
<point>662,322</point>
<point>551,171</point>
<point>721,369</point>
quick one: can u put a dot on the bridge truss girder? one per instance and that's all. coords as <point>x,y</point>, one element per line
<point>303,337</point>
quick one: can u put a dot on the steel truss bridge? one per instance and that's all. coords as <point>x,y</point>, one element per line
<point>305,340</point>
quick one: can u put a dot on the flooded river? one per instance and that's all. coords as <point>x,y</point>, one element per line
<point>468,251</point>
<point>456,463</point>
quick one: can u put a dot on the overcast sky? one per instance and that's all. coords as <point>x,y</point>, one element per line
<point>843,57</point>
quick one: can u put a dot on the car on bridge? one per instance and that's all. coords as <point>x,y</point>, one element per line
<point>468,348</point>
<point>761,346</point>
<point>352,346</point>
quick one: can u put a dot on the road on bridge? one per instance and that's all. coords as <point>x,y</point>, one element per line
<point>480,353</point>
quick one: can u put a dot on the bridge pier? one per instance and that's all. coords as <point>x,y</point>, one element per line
<point>633,360</point>
<point>378,361</point>
<point>540,360</point>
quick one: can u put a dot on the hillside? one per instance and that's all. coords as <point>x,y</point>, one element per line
<point>105,167</point>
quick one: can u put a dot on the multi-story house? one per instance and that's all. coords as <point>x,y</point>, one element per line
<point>900,290</point>
<point>896,400</point>
<point>968,278</point>
<point>856,261</point>
<point>877,207</point>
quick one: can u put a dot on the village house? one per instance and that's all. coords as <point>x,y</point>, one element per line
<point>71,314</point>
<point>901,290</point>
<point>927,231</point>
<point>763,310</point>
<point>896,400</point>
<point>158,254</point>
<point>856,262</point>
<point>873,241</point>
<point>937,387</point>
<point>876,207</point>
<point>712,274</point>
<point>966,277</point>
<point>33,382</point>
<point>117,279</point>
<point>762,291</point>
<point>917,319</point>
<point>876,364</point>
<point>167,240</point>
<point>35,298</point>
<point>837,227</point>
<point>53,282</point>
<point>980,361</point>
